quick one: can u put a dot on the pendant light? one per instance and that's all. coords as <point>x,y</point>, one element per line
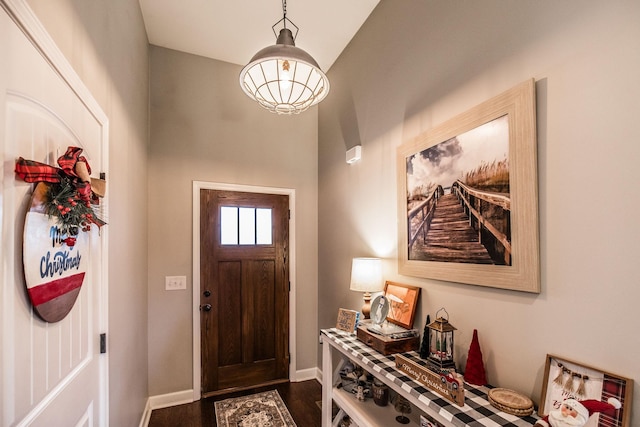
<point>283,78</point>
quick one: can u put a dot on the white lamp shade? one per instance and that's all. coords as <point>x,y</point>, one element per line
<point>366,275</point>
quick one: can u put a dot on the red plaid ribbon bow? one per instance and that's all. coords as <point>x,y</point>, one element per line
<point>32,171</point>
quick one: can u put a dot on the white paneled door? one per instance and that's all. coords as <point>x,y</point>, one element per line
<point>53,374</point>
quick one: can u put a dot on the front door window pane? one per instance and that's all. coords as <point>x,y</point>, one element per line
<point>229,225</point>
<point>263,226</point>
<point>247,226</point>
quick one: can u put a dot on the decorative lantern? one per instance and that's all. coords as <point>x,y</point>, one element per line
<point>441,342</point>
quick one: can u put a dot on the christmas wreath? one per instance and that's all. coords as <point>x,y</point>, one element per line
<point>70,195</point>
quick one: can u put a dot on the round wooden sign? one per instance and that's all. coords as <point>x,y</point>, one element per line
<point>54,263</point>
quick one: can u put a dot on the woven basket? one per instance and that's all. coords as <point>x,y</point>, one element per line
<point>510,401</point>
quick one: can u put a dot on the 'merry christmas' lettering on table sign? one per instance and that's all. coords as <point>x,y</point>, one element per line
<point>446,384</point>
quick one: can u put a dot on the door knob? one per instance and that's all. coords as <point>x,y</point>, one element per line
<point>206,307</point>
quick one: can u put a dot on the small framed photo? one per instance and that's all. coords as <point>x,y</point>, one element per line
<point>403,300</point>
<point>347,320</point>
<point>566,379</point>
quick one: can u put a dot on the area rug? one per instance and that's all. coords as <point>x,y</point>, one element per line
<point>257,410</point>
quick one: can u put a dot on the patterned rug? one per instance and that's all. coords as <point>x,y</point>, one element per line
<point>257,410</point>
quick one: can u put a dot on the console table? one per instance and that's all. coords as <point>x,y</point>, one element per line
<point>476,412</point>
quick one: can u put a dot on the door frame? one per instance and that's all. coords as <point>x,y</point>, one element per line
<point>204,185</point>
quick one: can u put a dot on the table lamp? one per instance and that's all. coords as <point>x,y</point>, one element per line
<point>366,276</point>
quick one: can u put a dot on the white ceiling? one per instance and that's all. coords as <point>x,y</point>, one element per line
<point>234,30</point>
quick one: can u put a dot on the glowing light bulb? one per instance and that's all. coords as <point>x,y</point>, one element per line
<point>285,76</point>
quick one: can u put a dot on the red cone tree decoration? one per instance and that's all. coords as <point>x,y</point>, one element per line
<point>474,371</point>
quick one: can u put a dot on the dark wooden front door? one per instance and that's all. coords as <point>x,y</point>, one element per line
<point>244,300</point>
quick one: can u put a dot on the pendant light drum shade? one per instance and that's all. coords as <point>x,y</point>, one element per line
<point>283,78</point>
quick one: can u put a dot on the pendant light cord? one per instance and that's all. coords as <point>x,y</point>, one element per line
<point>284,12</point>
<point>284,21</point>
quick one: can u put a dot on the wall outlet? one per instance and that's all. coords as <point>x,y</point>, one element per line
<point>175,283</point>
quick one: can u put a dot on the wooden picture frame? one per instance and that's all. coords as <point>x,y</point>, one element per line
<point>563,378</point>
<point>441,162</point>
<point>403,300</point>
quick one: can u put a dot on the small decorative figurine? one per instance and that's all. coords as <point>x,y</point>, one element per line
<point>424,346</point>
<point>362,391</point>
<point>474,373</point>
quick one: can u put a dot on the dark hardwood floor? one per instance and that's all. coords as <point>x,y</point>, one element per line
<point>300,399</point>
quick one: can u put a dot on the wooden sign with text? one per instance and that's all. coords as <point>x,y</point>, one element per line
<point>446,384</point>
<point>55,262</point>
<point>347,320</point>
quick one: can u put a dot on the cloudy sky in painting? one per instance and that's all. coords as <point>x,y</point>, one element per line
<point>443,163</point>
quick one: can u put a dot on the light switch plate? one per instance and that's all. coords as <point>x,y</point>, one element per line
<point>175,283</point>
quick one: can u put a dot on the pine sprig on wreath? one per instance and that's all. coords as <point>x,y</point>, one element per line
<point>63,203</point>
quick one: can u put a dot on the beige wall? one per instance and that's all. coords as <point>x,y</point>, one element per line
<point>106,44</point>
<point>415,64</point>
<point>203,128</point>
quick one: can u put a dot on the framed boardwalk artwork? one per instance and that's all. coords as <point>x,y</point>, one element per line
<point>468,198</point>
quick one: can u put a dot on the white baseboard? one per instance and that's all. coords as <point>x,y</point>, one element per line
<point>146,415</point>
<point>306,374</point>
<point>171,399</point>
<point>164,401</point>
